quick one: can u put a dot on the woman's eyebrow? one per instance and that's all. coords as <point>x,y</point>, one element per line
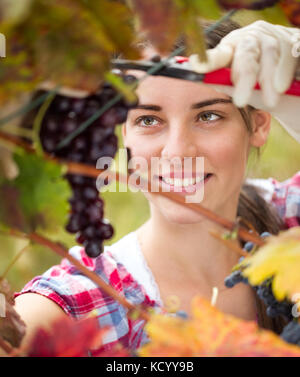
<point>147,107</point>
<point>194,106</point>
<point>209,102</point>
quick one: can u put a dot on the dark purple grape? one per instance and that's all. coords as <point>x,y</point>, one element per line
<point>234,278</point>
<point>52,124</point>
<point>95,152</point>
<point>69,125</point>
<point>90,181</point>
<point>80,143</point>
<point>75,156</point>
<point>90,193</point>
<point>109,147</point>
<point>106,231</point>
<point>120,114</point>
<point>89,232</point>
<point>94,213</point>
<point>74,224</point>
<point>78,207</point>
<point>78,105</point>
<point>92,105</point>
<point>62,103</point>
<point>93,249</point>
<point>291,332</point>
<point>75,179</point>
<point>98,134</point>
<point>49,144</point>
<point>110,118</point>
<point>77,194</point>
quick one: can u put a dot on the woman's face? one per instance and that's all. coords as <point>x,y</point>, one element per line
<point>174,120</point>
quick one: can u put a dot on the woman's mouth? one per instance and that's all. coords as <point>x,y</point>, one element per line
<point>185,185</point>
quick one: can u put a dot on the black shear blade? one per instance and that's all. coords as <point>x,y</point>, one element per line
<point>174,70</point>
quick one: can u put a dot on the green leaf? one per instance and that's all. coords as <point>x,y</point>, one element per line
<point>37,199</point>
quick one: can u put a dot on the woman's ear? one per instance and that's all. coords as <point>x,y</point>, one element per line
<point>261,124</point>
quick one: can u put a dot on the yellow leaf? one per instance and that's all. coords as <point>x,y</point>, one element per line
<point>278,258</point>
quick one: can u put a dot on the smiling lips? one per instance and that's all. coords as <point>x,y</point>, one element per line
<point>189,183</point>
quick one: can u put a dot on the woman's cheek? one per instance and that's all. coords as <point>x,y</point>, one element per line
<point>227,151</point>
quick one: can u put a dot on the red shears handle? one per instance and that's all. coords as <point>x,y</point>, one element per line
<point>222,77</point>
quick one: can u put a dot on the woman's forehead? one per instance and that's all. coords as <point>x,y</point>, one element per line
<point>161,88</point>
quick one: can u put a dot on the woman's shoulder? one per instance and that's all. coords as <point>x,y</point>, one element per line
<point>284,195</point>
<point>78,295</point>
<point>66,281</point>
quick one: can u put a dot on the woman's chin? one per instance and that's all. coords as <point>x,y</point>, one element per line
<point>175,213</point>
<point>183,219</point>
<point>171,211</point>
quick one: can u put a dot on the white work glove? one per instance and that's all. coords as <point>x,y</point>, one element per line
<point>264,53</point>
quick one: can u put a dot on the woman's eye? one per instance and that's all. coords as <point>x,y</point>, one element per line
<point>146,121</point>
<point>208,117</point>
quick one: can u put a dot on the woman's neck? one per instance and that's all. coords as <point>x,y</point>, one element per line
<point>187,250</point>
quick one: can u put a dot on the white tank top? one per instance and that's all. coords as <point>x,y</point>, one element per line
<point>128,252</point>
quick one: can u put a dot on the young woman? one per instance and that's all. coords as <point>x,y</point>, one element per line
<point>173,253</point>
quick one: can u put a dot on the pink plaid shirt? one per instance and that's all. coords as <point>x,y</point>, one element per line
<point>77,295</point>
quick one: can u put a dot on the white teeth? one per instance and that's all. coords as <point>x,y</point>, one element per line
<point>177,182</point>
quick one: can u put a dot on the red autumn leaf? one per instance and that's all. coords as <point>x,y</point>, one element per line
<point>67,338</point>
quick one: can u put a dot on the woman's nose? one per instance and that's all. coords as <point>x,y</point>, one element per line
<point>179,143</point>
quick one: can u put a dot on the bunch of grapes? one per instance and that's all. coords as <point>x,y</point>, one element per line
<point>274,308</point>
<point>264,291</point>
<point>63,116</point>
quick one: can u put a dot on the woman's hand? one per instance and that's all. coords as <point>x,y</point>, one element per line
<point>260,52</point>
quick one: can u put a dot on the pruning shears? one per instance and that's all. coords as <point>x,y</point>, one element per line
<point>179,67</point>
